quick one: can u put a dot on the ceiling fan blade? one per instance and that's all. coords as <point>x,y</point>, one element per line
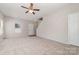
<point>24,7</point>
<point>33,13</point>
<point>26,11</point>
<point>36,9</point>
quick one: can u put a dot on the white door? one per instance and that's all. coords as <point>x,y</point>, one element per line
<point>73,29</point>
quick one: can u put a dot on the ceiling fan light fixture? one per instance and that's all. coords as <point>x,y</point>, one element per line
<point>30,11</point>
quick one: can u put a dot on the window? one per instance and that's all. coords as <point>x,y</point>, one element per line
<point>1,26</point>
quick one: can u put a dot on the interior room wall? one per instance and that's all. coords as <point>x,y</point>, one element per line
<point>10,27</point>
<point>1,16</point>
<point>55,26</point>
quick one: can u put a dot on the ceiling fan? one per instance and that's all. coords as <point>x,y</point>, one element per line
<point>30,9</point>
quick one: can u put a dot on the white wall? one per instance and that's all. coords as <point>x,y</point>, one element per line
<point>1,16</point>
<point>55,26</point>
<point>10,27</point>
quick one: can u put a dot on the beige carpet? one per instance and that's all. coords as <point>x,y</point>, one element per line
<point>35,46</point>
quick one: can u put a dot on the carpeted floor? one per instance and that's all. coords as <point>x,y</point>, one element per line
<point>35,46</point>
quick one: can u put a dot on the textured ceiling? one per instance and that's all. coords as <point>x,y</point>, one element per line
<point>14,9</point>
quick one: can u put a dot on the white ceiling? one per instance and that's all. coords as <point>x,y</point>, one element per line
<point>15,9</point>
